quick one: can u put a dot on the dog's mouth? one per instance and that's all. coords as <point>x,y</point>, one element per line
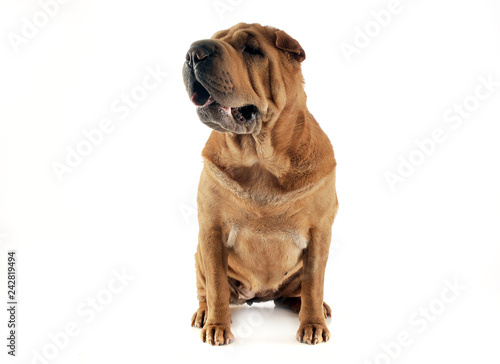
<point>203,99</point>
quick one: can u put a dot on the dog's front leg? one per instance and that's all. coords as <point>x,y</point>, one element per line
<point>313,327</point>
<point>217,329</point>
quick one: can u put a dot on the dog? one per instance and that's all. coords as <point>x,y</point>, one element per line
<point>266,196</point>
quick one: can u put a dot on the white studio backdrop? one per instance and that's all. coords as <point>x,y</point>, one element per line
<point>100,155</point>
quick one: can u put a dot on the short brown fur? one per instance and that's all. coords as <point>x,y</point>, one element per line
<point>266,199</point>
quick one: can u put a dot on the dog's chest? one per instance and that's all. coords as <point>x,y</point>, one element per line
<point>269,240</point>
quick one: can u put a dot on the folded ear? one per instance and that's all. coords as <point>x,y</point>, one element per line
<point>287,43</point>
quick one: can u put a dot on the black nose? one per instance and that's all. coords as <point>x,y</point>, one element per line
<point>199,52</point>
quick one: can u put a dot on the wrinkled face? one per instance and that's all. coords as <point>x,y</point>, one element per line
<point>240,78</point>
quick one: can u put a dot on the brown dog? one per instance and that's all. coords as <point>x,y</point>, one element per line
<point>266,198</point>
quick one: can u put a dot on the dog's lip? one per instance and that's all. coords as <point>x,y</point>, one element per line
<point>209,101</point>
<point>244,114</point>
<point>202,98</point>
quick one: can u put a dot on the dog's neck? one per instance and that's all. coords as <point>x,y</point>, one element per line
<point>285,152</point>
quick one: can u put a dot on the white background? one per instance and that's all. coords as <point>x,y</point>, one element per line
<point>129,203</point>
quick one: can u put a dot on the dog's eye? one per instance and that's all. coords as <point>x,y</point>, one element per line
<point>254,51</point>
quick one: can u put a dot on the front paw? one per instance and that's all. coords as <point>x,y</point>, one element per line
<point>217,334</point>
<point>313,333</point>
